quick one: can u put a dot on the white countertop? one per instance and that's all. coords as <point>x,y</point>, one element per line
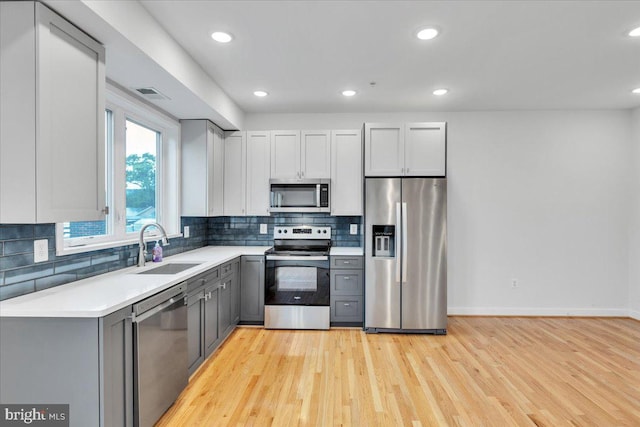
<point>344,251</point>
<point>104,294</point>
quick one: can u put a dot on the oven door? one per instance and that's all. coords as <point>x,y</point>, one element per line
<point>297,280</point>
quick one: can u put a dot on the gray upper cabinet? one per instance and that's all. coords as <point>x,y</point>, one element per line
<point>202,168</point>
<point>52,118</point>
<point>412,149</point>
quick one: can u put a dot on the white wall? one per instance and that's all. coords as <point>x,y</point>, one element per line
<point>634,234</point>
<point>542,197</point>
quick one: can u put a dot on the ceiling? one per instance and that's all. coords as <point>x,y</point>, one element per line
<point>491,55</point>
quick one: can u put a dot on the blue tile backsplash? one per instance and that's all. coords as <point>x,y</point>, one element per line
<point>19,275</point>
<point>245,231</point>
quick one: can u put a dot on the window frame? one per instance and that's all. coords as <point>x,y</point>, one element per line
<point>125,107</point>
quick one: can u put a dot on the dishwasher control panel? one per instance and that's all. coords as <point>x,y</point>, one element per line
<point>159,298</point>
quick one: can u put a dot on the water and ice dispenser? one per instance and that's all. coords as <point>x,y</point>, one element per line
<point>384,241</point>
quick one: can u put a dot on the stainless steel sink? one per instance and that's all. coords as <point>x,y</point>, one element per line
<point>170,268</point>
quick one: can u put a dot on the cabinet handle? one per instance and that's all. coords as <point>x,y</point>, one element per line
<point>407,170</point>
<point>346,304</point>
<point>302,174</point>
<point>346,262</point>
<point>346,278</point>
<point>209,295</point>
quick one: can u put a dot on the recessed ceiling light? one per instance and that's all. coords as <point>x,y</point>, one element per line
<point>635,32</point>
<point>348,92</point>
<point>440,92</point>
<point>260,93</point>
<point>427,34</point>
<point>636,90</point>
<point>221,37</point>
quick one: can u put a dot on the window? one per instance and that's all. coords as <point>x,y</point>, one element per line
<point>141,154</point>
<point>142,179</point>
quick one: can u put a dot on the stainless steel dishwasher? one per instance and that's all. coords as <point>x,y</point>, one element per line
<point>160,363</point>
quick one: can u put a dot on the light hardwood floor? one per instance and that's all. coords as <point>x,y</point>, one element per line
<point>487,371</point>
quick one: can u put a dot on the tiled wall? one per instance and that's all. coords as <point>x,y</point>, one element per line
<point>19,275</point>
<point>246,230</point>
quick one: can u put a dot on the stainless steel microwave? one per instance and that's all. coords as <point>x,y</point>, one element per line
<point>300,195</point>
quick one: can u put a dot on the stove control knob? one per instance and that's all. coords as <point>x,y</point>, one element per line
<point>285,231</point>
<point>318,231</point>
<point>324,231</point>
<point>279,231</point>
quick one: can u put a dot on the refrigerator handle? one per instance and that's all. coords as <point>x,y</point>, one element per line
<point>398,236</point>
<point>404,241</point>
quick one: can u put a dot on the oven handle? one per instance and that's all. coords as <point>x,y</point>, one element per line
<point>296,258</point>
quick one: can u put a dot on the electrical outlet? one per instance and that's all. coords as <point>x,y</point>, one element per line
<point>353,229</point>
<point>263,228</point>
<point>514,283</point>
<point>40,250</point>
<point>185,231</point>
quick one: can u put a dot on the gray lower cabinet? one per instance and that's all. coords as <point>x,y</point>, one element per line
<point>117,368</point>
<point>212,312</point>
<point>195,328</point>
<point>211,318</point>
<point>347,287</point>
<point>235,282</point>
<point>252,289</point>
<point>57,361</point>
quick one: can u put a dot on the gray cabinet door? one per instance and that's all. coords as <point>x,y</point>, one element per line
<point>117,368</point>
<point>252,289</point>
<point>224,307</point>
<point>195,327</point>
<point>211,337</point>
<point>235,292</point>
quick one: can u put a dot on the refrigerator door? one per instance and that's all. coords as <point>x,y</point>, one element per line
<point>424,288</point>
<point>382,269</point>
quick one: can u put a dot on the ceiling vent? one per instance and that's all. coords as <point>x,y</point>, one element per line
<point>151,93</point>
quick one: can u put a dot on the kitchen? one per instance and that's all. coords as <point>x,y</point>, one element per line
<point>542,195</point>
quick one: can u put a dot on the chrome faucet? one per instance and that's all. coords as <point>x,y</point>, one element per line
<point>142,252</point>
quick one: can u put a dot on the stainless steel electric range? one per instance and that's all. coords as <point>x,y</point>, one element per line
<point>297,279</point>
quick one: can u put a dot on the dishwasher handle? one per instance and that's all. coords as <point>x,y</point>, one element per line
<point>158,308</point>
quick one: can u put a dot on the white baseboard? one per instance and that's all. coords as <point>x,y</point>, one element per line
<point>634,314</point>
<point>538,311</point>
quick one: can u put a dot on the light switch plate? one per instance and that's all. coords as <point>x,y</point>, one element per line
<point>40,250</point>
<point>263,228</point>
<point>185,231</point>
<point>353,229</point>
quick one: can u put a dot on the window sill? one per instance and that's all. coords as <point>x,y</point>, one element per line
<point>70,250</point>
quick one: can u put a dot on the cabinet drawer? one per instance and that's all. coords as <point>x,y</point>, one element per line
<point>346,309</point>
<point>202,279</point>
<point>346,262</point>
<point>346,282</point>
<point>226,269</point>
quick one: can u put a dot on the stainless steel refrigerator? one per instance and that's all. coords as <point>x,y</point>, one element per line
<point>406,255</point>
